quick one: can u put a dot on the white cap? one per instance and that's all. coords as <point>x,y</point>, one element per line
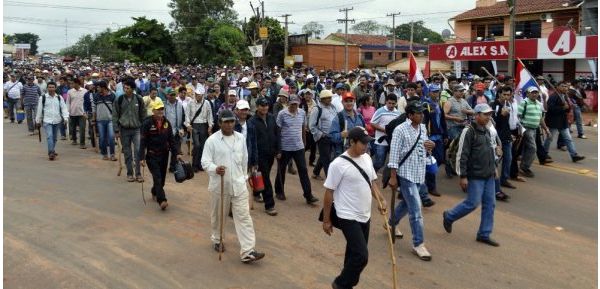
<point>233,83</point>
<point>223,74</point>
<point>309,76</point>
<point>200,90</point>
<point>242,104</point>
<point>532,88</point>
<point>231,92</point>
<point>244,79</point>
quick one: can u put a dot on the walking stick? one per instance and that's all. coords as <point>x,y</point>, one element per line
<point>120,160</point>
<point>391,245</point>
<point>95,142</point>
<point>143,196</point>
<point>39,133</point>
<point>221,225</point>
<point>392,215</point>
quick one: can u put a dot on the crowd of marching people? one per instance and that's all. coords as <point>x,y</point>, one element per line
<point>238,121</point>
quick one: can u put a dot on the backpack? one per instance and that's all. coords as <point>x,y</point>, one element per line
<point>452,152</point>
<point>389,128</point>
<point>59,107</point>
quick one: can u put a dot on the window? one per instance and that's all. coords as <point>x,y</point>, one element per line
<point>495,29</point>
<point>368,55</point>
<point>390,55</point>
<point>480,31</point>
<point>404,54</point>
<point>529,29</point>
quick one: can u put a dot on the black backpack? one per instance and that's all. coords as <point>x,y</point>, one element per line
<point>389,128</point>
<point>139,100</point>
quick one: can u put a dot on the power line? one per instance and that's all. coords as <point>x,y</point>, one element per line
<point>55,6</point>
<point>322,8</point>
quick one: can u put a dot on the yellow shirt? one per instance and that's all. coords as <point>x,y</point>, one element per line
<point>148,102</point>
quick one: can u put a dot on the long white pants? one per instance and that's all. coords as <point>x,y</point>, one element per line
<point>242,220</point>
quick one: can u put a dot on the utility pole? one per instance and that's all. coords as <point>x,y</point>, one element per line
<point>345,21</point>
<point>286,22</point>
<point>412,26</point>
<point>512,5</point>
<point>393,15</point>
<point>66,38</point>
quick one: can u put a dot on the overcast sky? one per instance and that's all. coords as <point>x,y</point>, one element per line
<point>85,16</point>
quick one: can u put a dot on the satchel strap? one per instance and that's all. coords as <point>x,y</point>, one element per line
<point>362,172</point>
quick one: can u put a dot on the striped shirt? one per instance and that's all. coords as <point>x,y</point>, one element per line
<point>381,118</point>
<point>403,139</point>
<point>533,113</point>
<point>31,94</point>
<point>291,129</point>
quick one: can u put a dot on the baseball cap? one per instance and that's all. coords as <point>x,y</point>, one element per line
<point>325,94</point>
<point>358,133</point>
<point>244,79</point>
<point>294,99</point>
<point>532,89</point>
<point>480,87</point>
<point>348,95</point>
<point>242,104</point>
<point>414,107</point>
<point>282,92</point>
<point>157,105</point>
<point>483,108</point>
<point>226,115</point>
<point>390,82</point>
<point>458,87</point>
<point>434,88</point>
<point>339,86</point>
<point>231,92</point>
<point>252,85</point>
<point>262,101</point>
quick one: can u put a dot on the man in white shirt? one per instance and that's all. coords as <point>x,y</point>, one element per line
<point>352,193</point>
<point>77,115</point>
<point>225,159</point>
<point>381,118</point>
<point>12,93</point>
<point>199,122</point>
<point>52,110</point>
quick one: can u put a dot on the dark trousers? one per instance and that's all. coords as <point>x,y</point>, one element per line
<point>540,150</point>
<point>298,157</point>
<point>325,148</point>
<point>177,144</point>
<point>74,122</point>
<point>157,165</point>
<point>199,136</point>
<point>13,104</point>
<point>311,145</point>
<point>265,163</point>
<point>357,252</point>
<point>30,111</point>
<point>517,149</point>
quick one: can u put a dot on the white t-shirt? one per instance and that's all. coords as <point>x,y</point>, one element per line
<point>351,193</point>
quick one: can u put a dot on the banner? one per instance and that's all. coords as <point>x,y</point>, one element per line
<point>256,50</point>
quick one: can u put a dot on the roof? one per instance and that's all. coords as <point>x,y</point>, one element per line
<point>372,41</point>
<point>326,42</point>
<point>523,7</point>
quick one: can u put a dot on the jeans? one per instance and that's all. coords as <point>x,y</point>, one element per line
<point>299,159</point>
<point>199,136</point>
<point>506,161</point>
<point>578,120</point>
<point>13,104</point>
<point>430,181</point>
<point>74,122</point>
<point>51,133</point>
<point>411,204</point>
<point>325,148</point>
<point>379,157</point>
<point>157,165</point>
<point>265,163</point>
<point>129,137</point>
<point>357,252</point>
<point>478,191</point>
<point>106,137</point>
<point>565,135</point>
<point>528,148</point>
<point>30,111</point>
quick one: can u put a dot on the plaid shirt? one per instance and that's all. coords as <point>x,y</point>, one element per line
<point>403,139</point>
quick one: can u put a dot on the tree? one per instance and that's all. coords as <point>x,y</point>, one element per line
<point>366,27</point>
<point>419,33</point>
<point>313,28</point>
<point>147,39</point>
<point>275,42</point>
<point>24,38</point>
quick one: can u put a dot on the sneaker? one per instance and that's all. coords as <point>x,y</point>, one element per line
<point>447,224</point>
<point>219,247</point>
<point>130,179</point>
<point>259,199</point>
<point>164,205</point>
<point>422,252</point>
<point>488,241</point>
<point>427,203</point>
<point>139,179</point>
<point>506,184</point>
<point>501,196</point>
<point>527,173</point>
<point>311,200</point>
<point>577,158</point>
<point>583,136</point>
<point>271,212</point>
<point>398,233</point>
<point>252,256</point>
<point>51,157</point>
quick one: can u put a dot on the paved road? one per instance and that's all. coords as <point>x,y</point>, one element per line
<point>73,224</point>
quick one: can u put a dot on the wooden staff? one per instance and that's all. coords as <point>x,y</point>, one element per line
<point>489,74</point>
<point>143,197</point>
<point>390,242</point>
<point>221,225</point>
<point>120,160</point>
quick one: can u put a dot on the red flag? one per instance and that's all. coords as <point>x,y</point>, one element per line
<point>414,73</point>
